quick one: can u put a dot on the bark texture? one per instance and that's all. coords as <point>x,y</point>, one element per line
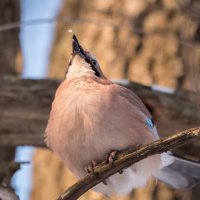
<point>9,40</point>
<point>9,46</point>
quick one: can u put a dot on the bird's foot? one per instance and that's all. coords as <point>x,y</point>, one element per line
<point>111,157</point>
<point>90,167</point>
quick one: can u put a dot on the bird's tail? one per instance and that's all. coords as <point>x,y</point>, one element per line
<point>181,173</point>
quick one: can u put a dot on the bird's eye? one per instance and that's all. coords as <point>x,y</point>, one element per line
<point>94,62</point>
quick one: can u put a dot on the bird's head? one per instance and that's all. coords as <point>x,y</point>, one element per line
<point>82,62</point>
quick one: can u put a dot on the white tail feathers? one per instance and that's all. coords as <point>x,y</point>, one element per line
<point>180,173</point>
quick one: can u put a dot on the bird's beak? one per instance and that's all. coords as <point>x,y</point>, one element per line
<point>77,48</point>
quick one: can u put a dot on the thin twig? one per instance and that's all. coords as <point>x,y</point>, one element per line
<point>125,159</point>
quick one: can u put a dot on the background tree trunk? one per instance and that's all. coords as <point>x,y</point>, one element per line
<point>9,40</point>
<point>9,47</point>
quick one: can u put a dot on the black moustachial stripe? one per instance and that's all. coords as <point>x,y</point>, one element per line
<point>96,72</point>
<point>77,49</point>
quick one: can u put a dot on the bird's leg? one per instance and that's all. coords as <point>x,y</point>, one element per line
<point>90,167</point>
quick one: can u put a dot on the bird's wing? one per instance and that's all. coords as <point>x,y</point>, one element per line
<point>131,97</point>
<point>120,118</point>
<point>142,115</point>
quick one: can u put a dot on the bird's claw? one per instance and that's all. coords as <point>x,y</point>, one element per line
<point>111,157</point>
<point>90,167</point>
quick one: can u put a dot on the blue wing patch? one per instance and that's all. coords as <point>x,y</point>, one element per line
<point>150,123</point>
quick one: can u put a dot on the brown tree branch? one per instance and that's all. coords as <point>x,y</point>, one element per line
<point>125,159</point>
<point>25,106</point>
<point>7,194</point>
<point>7,170</point>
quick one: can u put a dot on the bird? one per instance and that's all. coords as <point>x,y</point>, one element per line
<point>92,117</point>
